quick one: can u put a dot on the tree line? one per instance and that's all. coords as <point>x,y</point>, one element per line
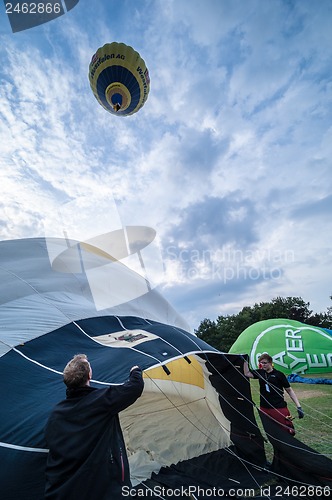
<point>223,332</point>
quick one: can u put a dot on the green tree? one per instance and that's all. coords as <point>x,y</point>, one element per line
<point>208,331</point>
<point>223,332</point>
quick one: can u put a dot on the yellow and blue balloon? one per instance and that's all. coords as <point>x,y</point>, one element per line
<point>119,79</point>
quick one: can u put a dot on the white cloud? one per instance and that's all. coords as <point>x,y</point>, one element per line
<point>239,111</point>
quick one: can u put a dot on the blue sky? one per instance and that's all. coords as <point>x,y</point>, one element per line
<point>229,160</point>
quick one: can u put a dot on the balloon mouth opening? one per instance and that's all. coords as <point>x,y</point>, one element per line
<point>116,101</point>
<point>118,97</point>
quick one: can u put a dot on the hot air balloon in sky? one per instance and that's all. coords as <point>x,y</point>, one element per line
<point>119,78</point>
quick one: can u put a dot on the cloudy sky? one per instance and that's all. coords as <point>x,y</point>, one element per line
<point>230,159</point>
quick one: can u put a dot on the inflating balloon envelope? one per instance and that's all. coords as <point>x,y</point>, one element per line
<point>195,402</point>
<point>294,346</point>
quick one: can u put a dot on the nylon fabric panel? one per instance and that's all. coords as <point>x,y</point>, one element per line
<point>123,75</point>
<point>109,365</point>
<point>181,371</point>
<point>294,459</point>
<point>235,400</point>
<point>219,469</point>
<point>42,299</point>
<point>26,399</point>
<point>172,341</point>
<point>20,481</point>
<point>172,421</point>
<point>184,340</point>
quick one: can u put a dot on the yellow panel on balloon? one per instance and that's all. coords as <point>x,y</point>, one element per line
<point>181,371</point>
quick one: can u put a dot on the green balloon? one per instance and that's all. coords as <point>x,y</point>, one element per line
<point>295,347</point>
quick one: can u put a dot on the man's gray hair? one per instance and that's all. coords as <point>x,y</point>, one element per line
<point>77,371</point>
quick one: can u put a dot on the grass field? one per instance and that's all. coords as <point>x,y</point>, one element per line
<point>315,429</point>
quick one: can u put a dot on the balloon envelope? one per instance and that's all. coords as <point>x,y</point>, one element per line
<point>295,347</point>
<point>48,314</point>
<point>119,78</point>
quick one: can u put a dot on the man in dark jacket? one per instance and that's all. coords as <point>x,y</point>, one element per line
<point>87,457</point>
